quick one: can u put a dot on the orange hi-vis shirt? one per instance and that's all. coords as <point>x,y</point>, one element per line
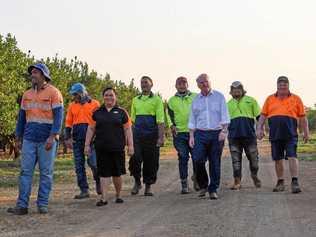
<point>282,116</point>
<point>39,105</point>
<point>81,113</point>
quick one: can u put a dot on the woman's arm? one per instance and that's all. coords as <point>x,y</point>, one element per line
<point>89,136</point>
<point>129,138</point>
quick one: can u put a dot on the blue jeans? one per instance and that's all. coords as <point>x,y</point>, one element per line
<point>208,147</point>
<point>32,153</point>
<point>80,161</point>
<point>181,143</point>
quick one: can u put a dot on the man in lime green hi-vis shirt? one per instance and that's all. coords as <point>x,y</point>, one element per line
<point>148,118</point>
<point>179,107</point>
<point>244,111</point>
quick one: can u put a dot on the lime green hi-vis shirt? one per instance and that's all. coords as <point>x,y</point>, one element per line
<point>243,114</point>
<point>179,111</point>
<point>146,113</point>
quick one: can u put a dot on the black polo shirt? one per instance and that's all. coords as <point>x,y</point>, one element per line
<point>109,128</point>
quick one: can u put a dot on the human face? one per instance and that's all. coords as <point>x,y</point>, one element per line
<point>109,98</point>
<point>146,85</point>
<point>182,86</point>
<point>37,77</point>
<point>204,84</point>
<point>76,97</point>
<point>236,93</point>
<point>283,89</point>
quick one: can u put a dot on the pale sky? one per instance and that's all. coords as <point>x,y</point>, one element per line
<point>253,41</point>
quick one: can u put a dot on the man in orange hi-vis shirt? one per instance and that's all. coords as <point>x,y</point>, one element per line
<point>284,111</point>
<point>78,118</point>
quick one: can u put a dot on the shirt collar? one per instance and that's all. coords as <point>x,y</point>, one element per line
<point>151,94</point>
<point>187,93</point>
<point>210,93</point>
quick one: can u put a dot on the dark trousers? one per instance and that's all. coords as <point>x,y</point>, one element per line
<point>208,147</point>
<point>236,147</point>
<point>181,144</point>
<point>80,160</point>
<point>146,153</point>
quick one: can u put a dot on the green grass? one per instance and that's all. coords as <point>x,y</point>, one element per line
<point>9,172</point>
<point>309,147</point>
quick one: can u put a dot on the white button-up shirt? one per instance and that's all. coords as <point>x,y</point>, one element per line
<point>209,112</point>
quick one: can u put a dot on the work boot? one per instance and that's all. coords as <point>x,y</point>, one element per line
<point>279,187</point>
<point>148,191</point>
<point>295,187</point>
<point>213,196</point>
<point>82,195</point>
<point>256,181</point>
<point>42,210</point>
<point>195,183</point>
<point>185,186</point>
<point>202,193</point>
<point>236,185</point>
<point>137,186</point>
<point>19,211</point>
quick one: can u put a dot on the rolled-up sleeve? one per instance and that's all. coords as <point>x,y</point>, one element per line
<point>224,112</point>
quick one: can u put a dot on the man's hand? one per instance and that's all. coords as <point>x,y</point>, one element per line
<point>174,130</point>
<point>69,143</point>
<point>160,142</point>
<point>50,141</point>
<point>260,133</point>
<point>191,141</point>
<point>305,137</point>
<point>130,150</point>
<point>222,136</point>
<point>87,150</point>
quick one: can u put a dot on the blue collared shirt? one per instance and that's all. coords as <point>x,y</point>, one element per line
<point>209,112</point>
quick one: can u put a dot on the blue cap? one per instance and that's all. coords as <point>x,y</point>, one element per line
<point>77,88</point>
<point>42,67</point>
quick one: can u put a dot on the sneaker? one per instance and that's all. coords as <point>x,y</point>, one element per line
<point>119,200</point>
<point>256,181</point>
<point>236,185</point>
<point>202,193</point>
<point>101,203</point>
<point>185,187</point>
<point>135,190</point>
<point>82,195</point>
<point>295,187</point>
<point>148,191</point>
<point>17,211</point>
<point>280,187</point>
<point>42,210</point>
<point>213,196</point>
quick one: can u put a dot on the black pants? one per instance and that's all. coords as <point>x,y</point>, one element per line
<point>146,153</point>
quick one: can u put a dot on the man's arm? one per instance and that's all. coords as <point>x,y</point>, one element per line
<point>260,126</point>
<point>303,124</point>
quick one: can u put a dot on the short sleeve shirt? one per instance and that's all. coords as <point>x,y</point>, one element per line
<point>282,115</point>
<point>110,128</point>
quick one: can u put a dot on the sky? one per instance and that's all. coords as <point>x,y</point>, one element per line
<point>253,41</point>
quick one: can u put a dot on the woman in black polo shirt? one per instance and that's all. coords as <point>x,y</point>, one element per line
<point>112,129</point>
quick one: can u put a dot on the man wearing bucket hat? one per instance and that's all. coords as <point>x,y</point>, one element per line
<point>78,118</point>
<point>285,112</point>
<point>243,111</point>
<point>39,124</point>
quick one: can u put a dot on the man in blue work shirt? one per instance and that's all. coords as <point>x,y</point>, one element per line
<point>147,114</point>
<point>208,124</point>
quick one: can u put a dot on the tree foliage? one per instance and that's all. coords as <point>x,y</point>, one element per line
<point>14,80</point>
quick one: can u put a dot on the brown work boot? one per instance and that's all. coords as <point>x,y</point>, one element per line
<point>256,181</point>
<point>279,187</point>
<point>236,185</point>
<point>295,187</point>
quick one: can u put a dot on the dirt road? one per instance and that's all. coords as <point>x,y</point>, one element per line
<point>249,212</point>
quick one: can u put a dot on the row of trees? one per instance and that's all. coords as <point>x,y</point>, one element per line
<point>14,80</point>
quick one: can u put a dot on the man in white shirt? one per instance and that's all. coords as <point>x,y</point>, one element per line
<point>208,124</point>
